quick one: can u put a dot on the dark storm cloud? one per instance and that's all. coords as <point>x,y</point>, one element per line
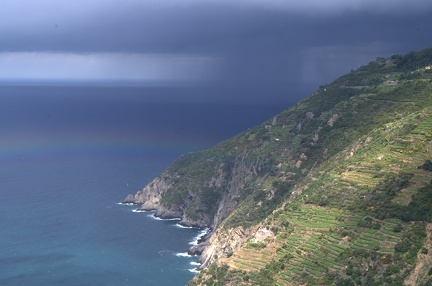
<point>261,44</point>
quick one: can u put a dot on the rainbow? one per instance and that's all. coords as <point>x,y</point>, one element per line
<point>43,145</point>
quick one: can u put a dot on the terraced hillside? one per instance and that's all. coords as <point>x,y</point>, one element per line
<point>344,196</point>
<point>335,190</point>
<point>316,245</point>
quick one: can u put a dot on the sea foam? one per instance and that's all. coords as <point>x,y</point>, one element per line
<point>158,218</point>
<point>126,204</point>
<point>183,254</point>
<point>182,226</point>
<point>199,236</point>
<point>139,211</point>
<point>194,270</point>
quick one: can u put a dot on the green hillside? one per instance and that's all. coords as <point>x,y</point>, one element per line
<point>335,190</point>
<point>347,196</point>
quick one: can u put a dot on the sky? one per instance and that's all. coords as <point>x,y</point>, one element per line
<point>267,47</point>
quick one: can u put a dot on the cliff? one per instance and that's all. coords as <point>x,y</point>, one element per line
<point>334,190</point>
<point>200,188</point>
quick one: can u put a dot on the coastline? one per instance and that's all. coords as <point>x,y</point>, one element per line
<point>197,243</point>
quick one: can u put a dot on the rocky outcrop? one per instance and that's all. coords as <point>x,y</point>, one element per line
<point>226,181</point>
<point>197,249</point>
<point>333,119</point>
<point>201,245</point>
<point>149,197</point>
<point>224,241</point>
<point>241,173</point>
<point>130,199</point>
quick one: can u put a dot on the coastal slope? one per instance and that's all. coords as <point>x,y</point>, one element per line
<point>334,190</point>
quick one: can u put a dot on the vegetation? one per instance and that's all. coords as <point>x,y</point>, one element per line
<point>341,179</point>
<point>427,165</point>
<point>414,60</point>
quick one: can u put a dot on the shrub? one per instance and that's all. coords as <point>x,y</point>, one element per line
<point>398,228</point>
<point>427,165</point>
<point>419,208</point>
<point>403,246</point>
<point>367,222</point>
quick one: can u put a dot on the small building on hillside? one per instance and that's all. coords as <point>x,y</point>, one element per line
<point>391,82</point>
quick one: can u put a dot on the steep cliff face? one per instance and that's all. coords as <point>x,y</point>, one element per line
<point>241,174</point>
<point>220,187</point>
<point>149,197</point>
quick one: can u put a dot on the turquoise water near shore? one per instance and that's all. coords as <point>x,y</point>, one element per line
<point>69,156</point>
<point>61,224</point>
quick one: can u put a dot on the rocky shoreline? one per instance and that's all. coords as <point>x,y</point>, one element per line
<point>202,242</point>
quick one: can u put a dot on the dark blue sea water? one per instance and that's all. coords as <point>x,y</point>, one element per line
<point>69,155</point>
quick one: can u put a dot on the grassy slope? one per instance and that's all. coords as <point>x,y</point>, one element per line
<point>344,163</point>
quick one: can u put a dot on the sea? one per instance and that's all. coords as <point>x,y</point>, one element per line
<point>69,155</point>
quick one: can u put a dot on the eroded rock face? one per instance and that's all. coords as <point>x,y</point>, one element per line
<point>130,199</point>
<point>228,181</point>
<point>202,244</point>
<point>333,119</point>
<point>240,175</point>
<point>262,234</point>
<point>309,115</point>
<point>149,197</point>
<point>223,242</point>
<point>203,222</point>
<point>167,214</point>
<point>197,249</point>
<point>151,194</point>
<point>226,241</point>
